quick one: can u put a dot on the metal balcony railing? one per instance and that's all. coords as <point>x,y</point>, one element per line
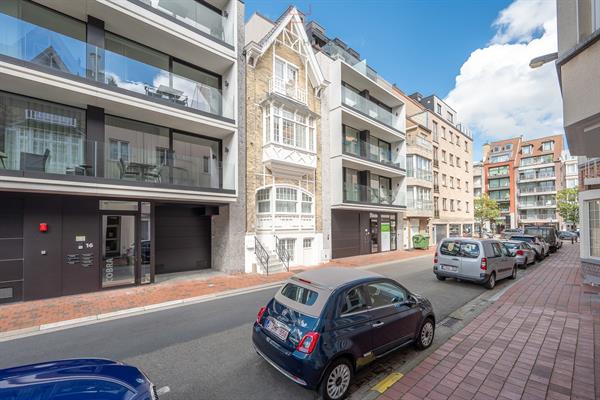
<point>278,85</point>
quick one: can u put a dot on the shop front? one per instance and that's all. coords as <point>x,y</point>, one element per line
<point>363,232</point>
<point>61,245</point>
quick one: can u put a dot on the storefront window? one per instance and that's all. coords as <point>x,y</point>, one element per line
<point>454,230</point>
<point>594,227</point>
<point>146,242</point>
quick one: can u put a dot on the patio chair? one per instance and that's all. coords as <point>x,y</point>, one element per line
<point>126,171</point>
<point>153,174</point>
<point>34,162</point>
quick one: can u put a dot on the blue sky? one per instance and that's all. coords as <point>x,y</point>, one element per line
<point>421,45</point>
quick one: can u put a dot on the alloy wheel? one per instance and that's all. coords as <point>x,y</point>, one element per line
<point>338,381</point>
<point>427,334</point>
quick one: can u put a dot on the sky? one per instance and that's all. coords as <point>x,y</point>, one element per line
<point>473,53</point>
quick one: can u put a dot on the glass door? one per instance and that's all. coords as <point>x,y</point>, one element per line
<point>119,255</point>
<point>374,228</point>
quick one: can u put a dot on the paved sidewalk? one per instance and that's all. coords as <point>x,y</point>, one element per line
<point>540,340</point>
<point>32,314</point>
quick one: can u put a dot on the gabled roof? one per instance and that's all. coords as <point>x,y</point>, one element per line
<point>291,15</point>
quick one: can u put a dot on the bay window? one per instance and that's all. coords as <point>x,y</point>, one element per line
<point>289,128</point>
<point>285,200</point>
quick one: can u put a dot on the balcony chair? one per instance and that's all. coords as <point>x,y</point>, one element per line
<point>127,171</point>
<point>34,162</point>
<point>153,174</point>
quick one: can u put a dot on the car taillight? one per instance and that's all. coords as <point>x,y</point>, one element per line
<point>260,314</point>
<point>308,342</point>
<point>484,264</point>
<point>435,259</point>
<point>520,253</point>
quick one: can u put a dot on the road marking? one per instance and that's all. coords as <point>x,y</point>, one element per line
<point>387,382</point>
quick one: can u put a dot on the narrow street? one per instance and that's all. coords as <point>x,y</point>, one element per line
<point>203,351</point>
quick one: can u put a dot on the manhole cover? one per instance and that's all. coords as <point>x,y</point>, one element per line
<point>450,322</point>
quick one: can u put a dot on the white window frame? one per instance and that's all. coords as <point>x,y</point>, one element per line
<point>274,119</point>
<point>287,67</point>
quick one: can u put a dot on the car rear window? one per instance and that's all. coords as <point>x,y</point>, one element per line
<point>460,249</point>
<point>300,294</point>
<point>511,245</point>
<point>523,239</point>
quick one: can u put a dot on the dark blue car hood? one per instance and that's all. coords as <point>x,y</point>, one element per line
<point>72,369</point>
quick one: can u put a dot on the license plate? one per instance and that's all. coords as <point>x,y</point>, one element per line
<point>277,329</point>
<point>449,268</point>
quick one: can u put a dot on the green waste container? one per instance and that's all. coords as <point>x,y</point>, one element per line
<point>421,241</point>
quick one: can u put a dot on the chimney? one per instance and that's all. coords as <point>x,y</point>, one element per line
<point>486,151</point>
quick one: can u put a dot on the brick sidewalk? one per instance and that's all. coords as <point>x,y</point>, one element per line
<point>540,340</point>
<point>35,313</point>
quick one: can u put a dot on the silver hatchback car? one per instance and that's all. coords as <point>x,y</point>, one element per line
<point>477,260</point>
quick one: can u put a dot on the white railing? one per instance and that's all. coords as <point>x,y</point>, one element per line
<point>278,85</point>
<point>285,222</point>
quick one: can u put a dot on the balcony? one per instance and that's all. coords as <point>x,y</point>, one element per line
<point>356,193</point>
<point>420,144</point>
<point>196,15</point>
<point>537,177</point>
<point>539,160</point>
<point>538,204</point>
<point>67,55</point>
<point>72,158</point>
<point>543,217</point>
<point>363,150</point>
<point>419,205</point>
<point>287,222</point>
<point>278,86</point>
<point>589,172</point>
<point>366,107</point>
<point>527,191</point>
<point>288,160</point>
<point>436,163</point>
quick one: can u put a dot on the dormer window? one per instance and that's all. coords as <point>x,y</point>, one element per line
<point>527,149</point>
<point>508,147</point>
<point>548,146</point>
<point>286,74</point>
<point>438,109</point>
<point>450,117</point>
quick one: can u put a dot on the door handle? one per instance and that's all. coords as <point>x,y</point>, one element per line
<point>378,324</point>
<point>455,259</point>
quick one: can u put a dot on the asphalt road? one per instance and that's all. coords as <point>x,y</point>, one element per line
<point>203,351</point>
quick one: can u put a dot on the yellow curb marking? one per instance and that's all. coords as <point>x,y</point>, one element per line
<point>387,382</point>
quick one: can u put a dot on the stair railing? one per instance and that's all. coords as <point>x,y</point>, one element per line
<point>282,253</point>
<point>262,255</point>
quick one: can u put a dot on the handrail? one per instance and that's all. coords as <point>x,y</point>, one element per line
<point>262,255</point>
<point>282,253</point>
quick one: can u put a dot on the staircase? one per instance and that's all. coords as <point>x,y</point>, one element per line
<point>269,261</point>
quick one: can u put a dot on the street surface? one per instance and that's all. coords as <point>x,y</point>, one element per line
<point>204,351</point>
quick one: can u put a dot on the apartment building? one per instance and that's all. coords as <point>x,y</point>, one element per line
<point>477,188</point>
<point>452,166</point>
<point>579,77</point>
<point>539,178</point>
<point>283,160</point>
<point>570,180</point>
<point>500,161</point>
<point>121,134</point>
<point>364,154</point>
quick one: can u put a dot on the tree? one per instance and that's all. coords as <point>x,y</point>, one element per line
<point>486,209</point>
<point>567,203</point>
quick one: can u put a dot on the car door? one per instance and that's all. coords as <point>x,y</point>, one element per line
<point>351,327</point>
<point>470,261</point>
<point>394,315</point>
<point>495,259</point>
<point>529,251</point>
<point>508,261</point>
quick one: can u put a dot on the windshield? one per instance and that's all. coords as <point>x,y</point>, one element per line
<point>511,245</point>
<point>523,239</point>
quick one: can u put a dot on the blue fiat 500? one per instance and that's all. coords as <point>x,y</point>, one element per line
<point>77,379</point>
<point>323,325</point>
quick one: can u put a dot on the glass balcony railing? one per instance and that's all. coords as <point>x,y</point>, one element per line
<point>537,189</point>
<point>367,194</point>
<point>537,217</point>
<point>196,15</point>
<point>419,173</point>
<point>38,45</point>
<point>537,203</point>
<point>80,159</point>
<point>419,204</point>
<point>379,155</point>
<point>421,143</point>
<point>365,106</point>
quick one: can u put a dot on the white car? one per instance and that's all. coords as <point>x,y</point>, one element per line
<point>539,245</point>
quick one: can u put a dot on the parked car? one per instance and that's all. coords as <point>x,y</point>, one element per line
<point>538,244</point>
<point>77,379</point>
<point>477,260</point>
<point>484,233</point>
<point>548,233</point>
<point>523,252</point>
<point>507,233</point>
<point>323,325</point>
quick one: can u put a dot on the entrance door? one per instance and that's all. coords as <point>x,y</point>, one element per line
<point>374,229</point>
<point>119,250</point>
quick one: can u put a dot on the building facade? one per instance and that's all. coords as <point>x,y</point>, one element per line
<point>579,77</point>
<point>364,152</point>
<point>570,180</point>
<point>283,157</point>
<point>452,167</point>
<point>477,188</point>
<point>500,160</point>
<point>121,134</point>
<point>539,179</point>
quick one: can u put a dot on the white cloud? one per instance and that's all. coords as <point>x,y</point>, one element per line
<point>496,93</point>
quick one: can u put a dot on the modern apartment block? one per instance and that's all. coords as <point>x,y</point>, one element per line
<point>539,178</point>
<point>283,159</point>
<point>364,154</point>
<point>579,76</point>
<point>121,136</point>
<point>570,172</point>
<point>523,177</point>
<point>477,188</point>
<point>500,160</point>
<point>452,166</point>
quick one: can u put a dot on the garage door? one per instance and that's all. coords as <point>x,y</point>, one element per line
<point>345,233</point>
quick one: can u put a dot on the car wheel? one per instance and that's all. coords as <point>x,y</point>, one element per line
<point>426,334</point>
<point>336,381</point>
<point>491,282</point>
<point>514,273</point>
<point>440,278</point>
